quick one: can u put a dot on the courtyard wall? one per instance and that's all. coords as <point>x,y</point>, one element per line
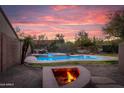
<point>11,52</point>
<point>10,45</point>
<point>0,53</point>
<point>121,57</point>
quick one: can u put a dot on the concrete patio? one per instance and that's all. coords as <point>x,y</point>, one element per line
<point>22,76</point>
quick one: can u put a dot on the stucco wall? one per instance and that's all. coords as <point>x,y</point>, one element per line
<point>10,46</point>
<point>121,57</point>
<point>0,52</point>
<point>5,27</point>
<point>11,52</point>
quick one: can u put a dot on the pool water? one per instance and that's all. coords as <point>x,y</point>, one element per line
<point>68,57</point>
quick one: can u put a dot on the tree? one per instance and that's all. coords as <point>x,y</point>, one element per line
<point>17,29</point>
<point>60,38</point>
<point>115,25</point>
<point>82,39</point>
<point>21,34</point>
<point>41,39</point>
<point>57,43</point>
<point>70,47</point>
<point>81,35</point>
<point>52,47</point>
<point>26,43</point>
<point>34,37</point>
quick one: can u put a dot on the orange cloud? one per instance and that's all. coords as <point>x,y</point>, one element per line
<point>63,7</point>
<point>48,18</point>
<point>65,22</point>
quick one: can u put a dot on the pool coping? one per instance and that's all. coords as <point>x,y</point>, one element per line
<point>33,59</point>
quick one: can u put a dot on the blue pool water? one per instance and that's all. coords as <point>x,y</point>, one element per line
<point>52,57</point>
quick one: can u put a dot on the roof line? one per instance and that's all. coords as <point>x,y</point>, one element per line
<point>1,10</point>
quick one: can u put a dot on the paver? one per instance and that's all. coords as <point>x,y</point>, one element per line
<point>109,86</point>
<point>102,80</point>
<point>24,76</point>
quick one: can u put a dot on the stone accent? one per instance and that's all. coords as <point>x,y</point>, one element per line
<point>121,57</point>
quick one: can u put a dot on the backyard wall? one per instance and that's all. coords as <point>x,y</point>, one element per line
<point>6,27</point>
<point>11,52</point>
<point>10,45</point>
<point>121,57</point>
<point>0,53</point>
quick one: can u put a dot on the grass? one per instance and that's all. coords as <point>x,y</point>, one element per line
<point>72,63</point>
<point>112,55</point>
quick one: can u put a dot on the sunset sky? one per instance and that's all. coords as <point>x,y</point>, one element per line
<point>68,20</point>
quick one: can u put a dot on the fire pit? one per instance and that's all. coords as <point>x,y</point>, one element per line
<point>65,77</point>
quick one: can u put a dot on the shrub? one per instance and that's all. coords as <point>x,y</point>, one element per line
<point>110,48</point>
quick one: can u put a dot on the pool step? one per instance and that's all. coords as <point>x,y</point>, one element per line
<point>104,82</point>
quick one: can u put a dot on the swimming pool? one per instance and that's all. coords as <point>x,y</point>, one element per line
<point>54,57</point>
<point>67,57</point>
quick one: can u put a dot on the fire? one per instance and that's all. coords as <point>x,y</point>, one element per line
<point>65,75</point>
<point>70,77</point>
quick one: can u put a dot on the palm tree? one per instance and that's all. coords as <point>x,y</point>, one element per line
<point>26,43</point>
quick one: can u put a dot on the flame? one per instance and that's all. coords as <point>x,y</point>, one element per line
<point>70,77</point>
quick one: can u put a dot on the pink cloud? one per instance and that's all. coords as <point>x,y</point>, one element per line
<point>48,18</point>
<point>96,17</point>
<point>29,24</point>
<point>62,22</point>
<point>91,17</point>
<point>63,7</point>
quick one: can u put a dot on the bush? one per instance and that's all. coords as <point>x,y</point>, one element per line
<point>110,48</point>
<point>53,47</point>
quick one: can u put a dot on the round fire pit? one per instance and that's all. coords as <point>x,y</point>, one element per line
<point>65,77</point>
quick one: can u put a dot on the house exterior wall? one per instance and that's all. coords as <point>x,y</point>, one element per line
<point>5,27</point>
<point>10,45</point>
<point>10,52</point>
<point>0,53</point>
<point>121,57</point>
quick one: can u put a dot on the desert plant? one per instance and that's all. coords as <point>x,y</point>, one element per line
<point>26,43</point>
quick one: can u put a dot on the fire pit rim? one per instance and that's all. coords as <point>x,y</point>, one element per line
<point>49,80</point>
